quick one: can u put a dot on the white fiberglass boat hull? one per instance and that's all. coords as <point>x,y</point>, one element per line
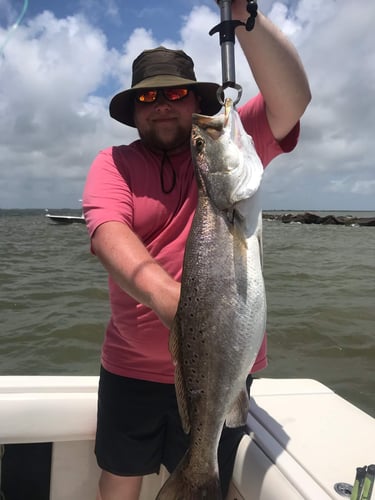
<point>303,438</point>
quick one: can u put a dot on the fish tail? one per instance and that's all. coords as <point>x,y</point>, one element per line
<point>183,487</point>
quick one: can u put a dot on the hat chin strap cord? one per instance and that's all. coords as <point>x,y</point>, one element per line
<point>226,30</point>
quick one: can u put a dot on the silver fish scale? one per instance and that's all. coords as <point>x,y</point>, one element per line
<point>220,319</point>
<point>212,344</point>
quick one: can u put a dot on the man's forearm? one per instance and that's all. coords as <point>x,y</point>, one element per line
<point>277,70</point>
<point>135,271</point>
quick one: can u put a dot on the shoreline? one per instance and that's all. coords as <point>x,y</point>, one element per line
<point>313,218</point>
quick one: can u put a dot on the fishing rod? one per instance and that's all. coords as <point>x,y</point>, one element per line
<point>15,25</point>
<point>226,29</point>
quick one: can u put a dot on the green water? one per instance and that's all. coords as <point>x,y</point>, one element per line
<point>320,291</point>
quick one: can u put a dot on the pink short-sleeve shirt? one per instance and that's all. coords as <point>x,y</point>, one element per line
<point>124,185</point>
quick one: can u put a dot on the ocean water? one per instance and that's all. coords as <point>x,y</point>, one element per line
<point>320,292</point>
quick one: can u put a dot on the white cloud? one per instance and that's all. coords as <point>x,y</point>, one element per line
<point>280,15</point>
<point>58,74</point>
<point>336,153</point>
<point>50,117</point>
<point>366,187</point>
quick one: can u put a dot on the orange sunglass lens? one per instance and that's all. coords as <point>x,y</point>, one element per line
<point>148,96</point>
<point>170,94</point>
<point>175,94</point>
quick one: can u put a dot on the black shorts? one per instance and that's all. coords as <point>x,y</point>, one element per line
<point>139,429</point>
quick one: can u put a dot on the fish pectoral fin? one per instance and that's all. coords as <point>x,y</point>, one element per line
<point>182,399</point>
<point>238,413</point>
<point>179,379</point>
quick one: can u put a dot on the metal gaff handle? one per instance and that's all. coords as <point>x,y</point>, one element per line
<point>227,39</point>
<point>227,46</point>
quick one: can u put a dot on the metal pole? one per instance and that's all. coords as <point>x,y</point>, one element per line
<point>227,47</point>
<point>226,30</point>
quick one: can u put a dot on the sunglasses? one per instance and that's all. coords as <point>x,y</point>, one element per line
<point>171,94</point>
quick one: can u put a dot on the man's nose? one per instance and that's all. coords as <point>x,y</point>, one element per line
<point>161,99</point>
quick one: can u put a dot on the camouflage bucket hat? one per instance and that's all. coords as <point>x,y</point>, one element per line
<point>157,68</point>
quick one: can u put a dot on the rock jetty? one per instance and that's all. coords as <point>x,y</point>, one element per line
<point>311,218</point>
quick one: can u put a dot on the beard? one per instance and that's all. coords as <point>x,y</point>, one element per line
<point>170,139</point>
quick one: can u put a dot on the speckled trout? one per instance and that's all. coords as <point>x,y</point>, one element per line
<point>220,321</point>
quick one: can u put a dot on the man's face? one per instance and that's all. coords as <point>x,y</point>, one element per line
<point>164,124</point>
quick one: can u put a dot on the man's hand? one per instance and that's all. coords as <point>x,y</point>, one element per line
<point>276,68</point>
<point>239,9</point>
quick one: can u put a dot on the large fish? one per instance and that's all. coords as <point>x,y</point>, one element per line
<point>221,315</point>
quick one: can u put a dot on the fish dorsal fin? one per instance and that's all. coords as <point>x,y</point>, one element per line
<point>238,413</point>
<point>179,379</point>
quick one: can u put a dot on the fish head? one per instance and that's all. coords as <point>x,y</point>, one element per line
<point>227,165</point>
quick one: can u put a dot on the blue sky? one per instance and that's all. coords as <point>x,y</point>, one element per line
<point>117,18</point>
<point>60,67</point>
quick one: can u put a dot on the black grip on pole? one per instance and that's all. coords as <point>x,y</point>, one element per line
<point>226,30</point>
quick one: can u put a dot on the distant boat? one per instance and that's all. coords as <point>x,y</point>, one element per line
<point>66,219</point>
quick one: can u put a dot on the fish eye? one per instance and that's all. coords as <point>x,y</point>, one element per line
<point>199,144</point>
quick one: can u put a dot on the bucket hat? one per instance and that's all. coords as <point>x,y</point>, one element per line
<point>157,68</point>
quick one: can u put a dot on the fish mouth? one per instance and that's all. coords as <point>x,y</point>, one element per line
<point>214,125</point>
<point>207,122</point>
<point>228,107</point>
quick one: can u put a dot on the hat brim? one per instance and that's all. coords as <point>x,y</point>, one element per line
<point>121,107</point>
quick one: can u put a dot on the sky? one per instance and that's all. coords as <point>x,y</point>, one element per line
<point>62,63</point>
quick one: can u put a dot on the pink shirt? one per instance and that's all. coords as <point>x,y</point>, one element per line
<point>124,185</point>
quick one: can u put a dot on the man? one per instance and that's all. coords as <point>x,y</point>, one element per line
<point>139,201</point>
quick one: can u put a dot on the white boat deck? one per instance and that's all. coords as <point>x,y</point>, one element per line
<point>304,438</point>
